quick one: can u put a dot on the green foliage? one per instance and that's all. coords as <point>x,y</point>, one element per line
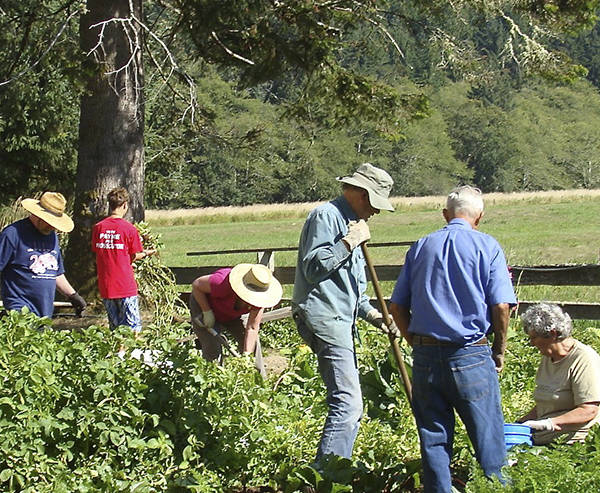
<point>156,284</point>
<point>223,145</point>
<point>557,469</point>
<point>77,416</point>
<point>39,94</point>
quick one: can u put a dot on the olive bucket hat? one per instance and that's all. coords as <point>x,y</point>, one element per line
<point>375,181</point>
<point>51,208</point>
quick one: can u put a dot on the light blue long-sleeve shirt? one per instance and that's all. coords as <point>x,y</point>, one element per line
<point>330,284</point>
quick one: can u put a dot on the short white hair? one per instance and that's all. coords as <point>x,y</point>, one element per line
<point>543,318</point>
<point>465,200</point>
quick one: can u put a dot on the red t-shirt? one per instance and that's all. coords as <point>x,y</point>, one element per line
<point>222,297</point>
<point>116,241</point>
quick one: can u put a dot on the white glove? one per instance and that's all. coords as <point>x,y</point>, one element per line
<point>358,233</point>
<point>392,329</point>
<point>206,320</point>
<point>540,424</point>
<point>375,318</point>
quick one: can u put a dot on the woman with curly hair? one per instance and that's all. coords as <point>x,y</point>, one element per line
<point>567,391</point>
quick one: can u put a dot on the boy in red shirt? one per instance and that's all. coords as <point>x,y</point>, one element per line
<point>117,244</point>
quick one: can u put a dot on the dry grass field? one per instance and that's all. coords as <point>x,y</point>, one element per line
<point>208,214</point>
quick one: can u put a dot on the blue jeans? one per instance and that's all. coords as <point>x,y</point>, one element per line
<point>462,379</point>
<point>337,366</point>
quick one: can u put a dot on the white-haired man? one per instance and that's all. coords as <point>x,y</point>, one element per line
<point>453,290</point>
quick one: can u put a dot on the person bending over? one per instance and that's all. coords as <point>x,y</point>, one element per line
<point>219,300</point>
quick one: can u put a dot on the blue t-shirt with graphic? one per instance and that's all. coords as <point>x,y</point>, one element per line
<point>30,263</point>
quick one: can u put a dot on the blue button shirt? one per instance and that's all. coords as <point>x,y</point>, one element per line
<point>330,284</point>
<point>450,280</point>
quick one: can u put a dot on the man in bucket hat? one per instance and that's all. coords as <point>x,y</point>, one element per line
<point>329,294</point>
<point>218,301</point>
<point>30,258</point>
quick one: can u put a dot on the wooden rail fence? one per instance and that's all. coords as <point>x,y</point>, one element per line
<point>552,275</point>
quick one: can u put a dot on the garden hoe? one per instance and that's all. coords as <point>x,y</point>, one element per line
<point>387,320</point>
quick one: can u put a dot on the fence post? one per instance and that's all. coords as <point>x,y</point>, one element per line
<point>266,258</point>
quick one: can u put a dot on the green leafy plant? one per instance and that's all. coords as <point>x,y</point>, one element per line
<point>156,283</point>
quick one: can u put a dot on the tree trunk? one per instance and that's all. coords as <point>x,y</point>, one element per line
<point>111,129</point>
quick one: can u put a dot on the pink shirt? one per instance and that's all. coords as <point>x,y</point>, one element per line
<point>222,298</point>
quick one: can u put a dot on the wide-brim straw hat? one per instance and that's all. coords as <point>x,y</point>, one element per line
<point>51,208</point>
<point>256,285</point>
<point>375,181</point>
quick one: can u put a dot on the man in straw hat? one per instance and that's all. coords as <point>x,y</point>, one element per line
<point>329,294</point>
<point>30,258</point>
<point>220,299</point>
<point>453,290</point>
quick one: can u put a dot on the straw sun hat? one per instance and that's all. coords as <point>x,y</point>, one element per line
<point>50,208</point>
<point>255,284</point>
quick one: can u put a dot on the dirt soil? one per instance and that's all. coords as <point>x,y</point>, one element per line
<point>275,363</point>
<point>68,321</point>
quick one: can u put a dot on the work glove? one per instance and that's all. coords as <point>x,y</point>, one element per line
<point>391,329</point>
<point>206,320</point>
<point>78,303</point>
<point>375,318</point>
<point>358,233</point>
<point>540,424</point>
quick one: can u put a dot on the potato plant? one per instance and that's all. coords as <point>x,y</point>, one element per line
<point>77,416</point>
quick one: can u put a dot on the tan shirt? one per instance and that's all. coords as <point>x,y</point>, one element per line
<point>565,384</point>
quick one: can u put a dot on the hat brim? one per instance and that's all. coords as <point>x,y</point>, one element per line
<point>61,222</point>
<point>260,299</point>
<point>377,201</point>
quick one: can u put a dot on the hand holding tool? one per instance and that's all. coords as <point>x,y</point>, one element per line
<point>358,233</point>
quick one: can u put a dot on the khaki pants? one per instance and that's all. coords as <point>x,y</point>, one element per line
<point>211,346</point>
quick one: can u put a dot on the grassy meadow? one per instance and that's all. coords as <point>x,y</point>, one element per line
<point>540,228</point>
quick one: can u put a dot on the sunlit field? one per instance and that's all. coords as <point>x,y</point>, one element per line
<point>540,228</point>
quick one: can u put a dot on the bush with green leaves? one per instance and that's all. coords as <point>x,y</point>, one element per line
<point>78,416</point>
<point>78,412</point>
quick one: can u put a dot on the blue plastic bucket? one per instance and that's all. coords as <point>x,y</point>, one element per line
<point>515,434</point>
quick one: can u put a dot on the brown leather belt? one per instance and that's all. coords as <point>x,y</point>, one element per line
<point>432,341</point>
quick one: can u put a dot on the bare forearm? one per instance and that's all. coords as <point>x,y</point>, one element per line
<point>200,289</point>
<point>500,318</point>
<point>580,416</point>
<point>64,286</point>
<point>401,315</point>
<point>252,328</point>
<point>144,253</point>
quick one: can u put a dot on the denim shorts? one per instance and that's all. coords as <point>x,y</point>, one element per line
<point>123,311</point>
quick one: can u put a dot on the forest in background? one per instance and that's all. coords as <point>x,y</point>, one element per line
<point>501,130</point>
